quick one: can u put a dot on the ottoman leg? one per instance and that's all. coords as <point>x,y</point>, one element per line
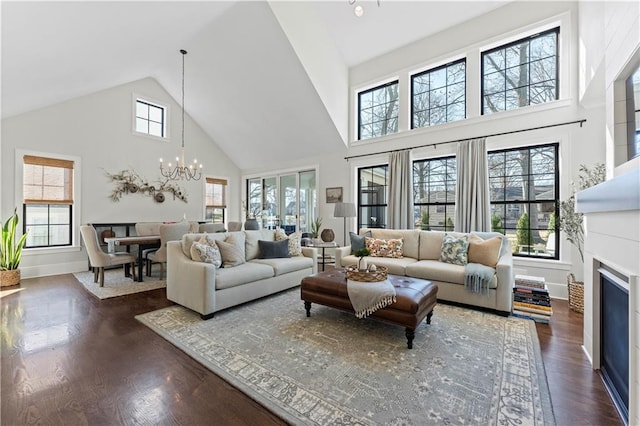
<point>410,333</point>
<point>429,315</point>
<point>307,307</point>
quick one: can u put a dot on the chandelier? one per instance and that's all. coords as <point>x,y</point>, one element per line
<point>359,10</point>
<point>180,171</point>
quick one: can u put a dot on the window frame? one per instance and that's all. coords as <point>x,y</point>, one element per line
<point>412,77</point>
<point>155,103</point>
<point>48,160</point>
<point>359,110</point>
<point>556,31</point>
<point>361,206</point>
<point>437,205</point>
<point>223,207</point>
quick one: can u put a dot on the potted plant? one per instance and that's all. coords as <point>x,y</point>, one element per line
<point>10,252</point>
<point>315,230</point>
<point>570,222</point>
<point>251,214</point>
<point>361,254</point>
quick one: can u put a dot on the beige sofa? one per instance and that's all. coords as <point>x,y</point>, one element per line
<point>206,289</point>
<point>421,254</point>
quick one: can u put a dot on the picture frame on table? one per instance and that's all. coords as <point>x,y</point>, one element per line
<point>334,195</point>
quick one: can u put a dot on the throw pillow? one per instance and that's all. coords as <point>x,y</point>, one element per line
<point>207,240</point>
<point>206,253</point>
<point>486,252</point>
<point>454,249</point>
<point>295,241</point>
<point>273,249</point>
<point>384,248</point>
<point>357,241</point>
<point>232,250</point>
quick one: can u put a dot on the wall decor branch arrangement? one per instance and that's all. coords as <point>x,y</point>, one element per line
<point>129,182</point>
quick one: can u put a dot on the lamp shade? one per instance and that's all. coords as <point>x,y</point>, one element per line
<point>344,210</point>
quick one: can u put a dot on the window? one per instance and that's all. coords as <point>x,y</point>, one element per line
<point>150,118</point>
<point>632,86</point>
<point>524,198</point>
<point>521,73</point>
<point>372,196</point>
<point>215,199</point>
<point>48,201</point>
<point>378,111</point>
<point>438,95</point>
<point>434,193</point>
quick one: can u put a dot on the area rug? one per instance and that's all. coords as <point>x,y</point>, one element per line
<point>466,367</point>
<point>116,284</point>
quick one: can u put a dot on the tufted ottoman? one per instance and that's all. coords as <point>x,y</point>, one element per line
<point>415,298</point>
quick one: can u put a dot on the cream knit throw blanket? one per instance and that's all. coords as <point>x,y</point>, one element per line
<point>366,298</point>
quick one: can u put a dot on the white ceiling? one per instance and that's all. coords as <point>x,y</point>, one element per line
<point>245,86</point>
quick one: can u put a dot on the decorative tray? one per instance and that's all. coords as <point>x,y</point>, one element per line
<point>354,274</point>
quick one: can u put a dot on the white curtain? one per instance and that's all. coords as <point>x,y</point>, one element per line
<point>400,205</point>
<point>473,211</point>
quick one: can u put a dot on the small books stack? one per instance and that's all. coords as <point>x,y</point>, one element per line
<point>531,299</point>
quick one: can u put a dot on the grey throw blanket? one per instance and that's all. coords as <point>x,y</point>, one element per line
<point>366,298</point>
<point>477,277</point>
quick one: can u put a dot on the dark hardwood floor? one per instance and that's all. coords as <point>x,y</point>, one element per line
<point>68,358</point>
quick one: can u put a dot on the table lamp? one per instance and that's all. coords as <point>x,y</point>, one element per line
<point>345,210</point>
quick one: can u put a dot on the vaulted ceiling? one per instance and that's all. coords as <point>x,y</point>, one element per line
<point>267,81</point>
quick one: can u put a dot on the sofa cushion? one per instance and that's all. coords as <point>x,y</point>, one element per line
<point>410,239</point>
<point>232,250</point>
<point>295,241</point>
<point>251,249</point>
<point>454,249</point>
<point>273,249</point>
<point>188,239</point>
<point>357,241</point>
<point>396,266</point>
<point>435,270</point>
<point>206,253</point>
<point>384,248</point>
<point>486,252</point>
<point>285,265</point>
<point>430,245</point>
<point>242,274</point>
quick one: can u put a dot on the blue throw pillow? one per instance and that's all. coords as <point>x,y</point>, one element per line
<point>357,241</point>
<point>273,249</point>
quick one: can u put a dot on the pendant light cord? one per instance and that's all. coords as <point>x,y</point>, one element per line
<point>184,52</point>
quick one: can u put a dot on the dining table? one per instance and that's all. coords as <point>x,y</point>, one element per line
<point>142,241</point>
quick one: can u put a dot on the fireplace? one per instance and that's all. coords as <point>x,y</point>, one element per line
<point>614,338</point>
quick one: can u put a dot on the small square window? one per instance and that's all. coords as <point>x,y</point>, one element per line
<point>150,118</point>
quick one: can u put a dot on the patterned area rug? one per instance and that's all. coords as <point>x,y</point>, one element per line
<point>466,367</point>
<point>116,284</point>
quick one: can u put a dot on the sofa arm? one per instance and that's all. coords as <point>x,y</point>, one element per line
<point>190,284</point>
<point>504,275</point>
<point>313,254</point>
<point>340,253</point>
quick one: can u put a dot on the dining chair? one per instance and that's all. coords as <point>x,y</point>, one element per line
<point>172,232</point>
<point>99,259</point>
<point>144,229</point>
<point>210,228</point>
<point>235,226</point>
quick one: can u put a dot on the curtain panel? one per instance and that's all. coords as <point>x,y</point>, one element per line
<point>473,210</point>
<point>400,206</point>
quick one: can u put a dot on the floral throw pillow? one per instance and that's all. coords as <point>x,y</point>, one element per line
<point>206,253</point>
<point>207,240</point>
<point>295,241</point>
<point>384,248</point>
<point>454,249</point>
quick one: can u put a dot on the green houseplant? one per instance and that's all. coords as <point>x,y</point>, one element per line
<point>315,227</point>
<point>11,251</point>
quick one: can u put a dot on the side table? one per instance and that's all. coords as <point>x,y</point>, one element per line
<point>323,247</point>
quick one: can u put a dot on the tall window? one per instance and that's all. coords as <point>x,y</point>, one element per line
<point>378,111</point>
<point>373,183</point>
<point>434,193</point>
<point>150,118</point>
<point>438,95</point>
<point>524,198</point>
<point>215,199</point>
<point>48,201</point>
<point>521,73</point>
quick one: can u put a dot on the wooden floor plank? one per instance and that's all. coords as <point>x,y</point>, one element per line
<point>70,358</point>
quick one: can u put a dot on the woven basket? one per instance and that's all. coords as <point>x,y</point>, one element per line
<point>576,293</point>
<point>9,277</point>
<point>354,274</point>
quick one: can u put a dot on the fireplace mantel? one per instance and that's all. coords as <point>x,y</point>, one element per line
<point>618,194</point>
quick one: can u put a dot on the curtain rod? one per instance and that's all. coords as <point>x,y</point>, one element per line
<point>434,144</point>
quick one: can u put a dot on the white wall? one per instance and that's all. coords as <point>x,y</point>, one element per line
<point>578,145</point>
<point>98,130</point>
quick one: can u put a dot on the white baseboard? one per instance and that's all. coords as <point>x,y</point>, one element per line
<point>558,290</point>
<point>53,269</point>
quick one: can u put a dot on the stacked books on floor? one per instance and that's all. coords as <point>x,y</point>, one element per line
<point>531,299</point>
